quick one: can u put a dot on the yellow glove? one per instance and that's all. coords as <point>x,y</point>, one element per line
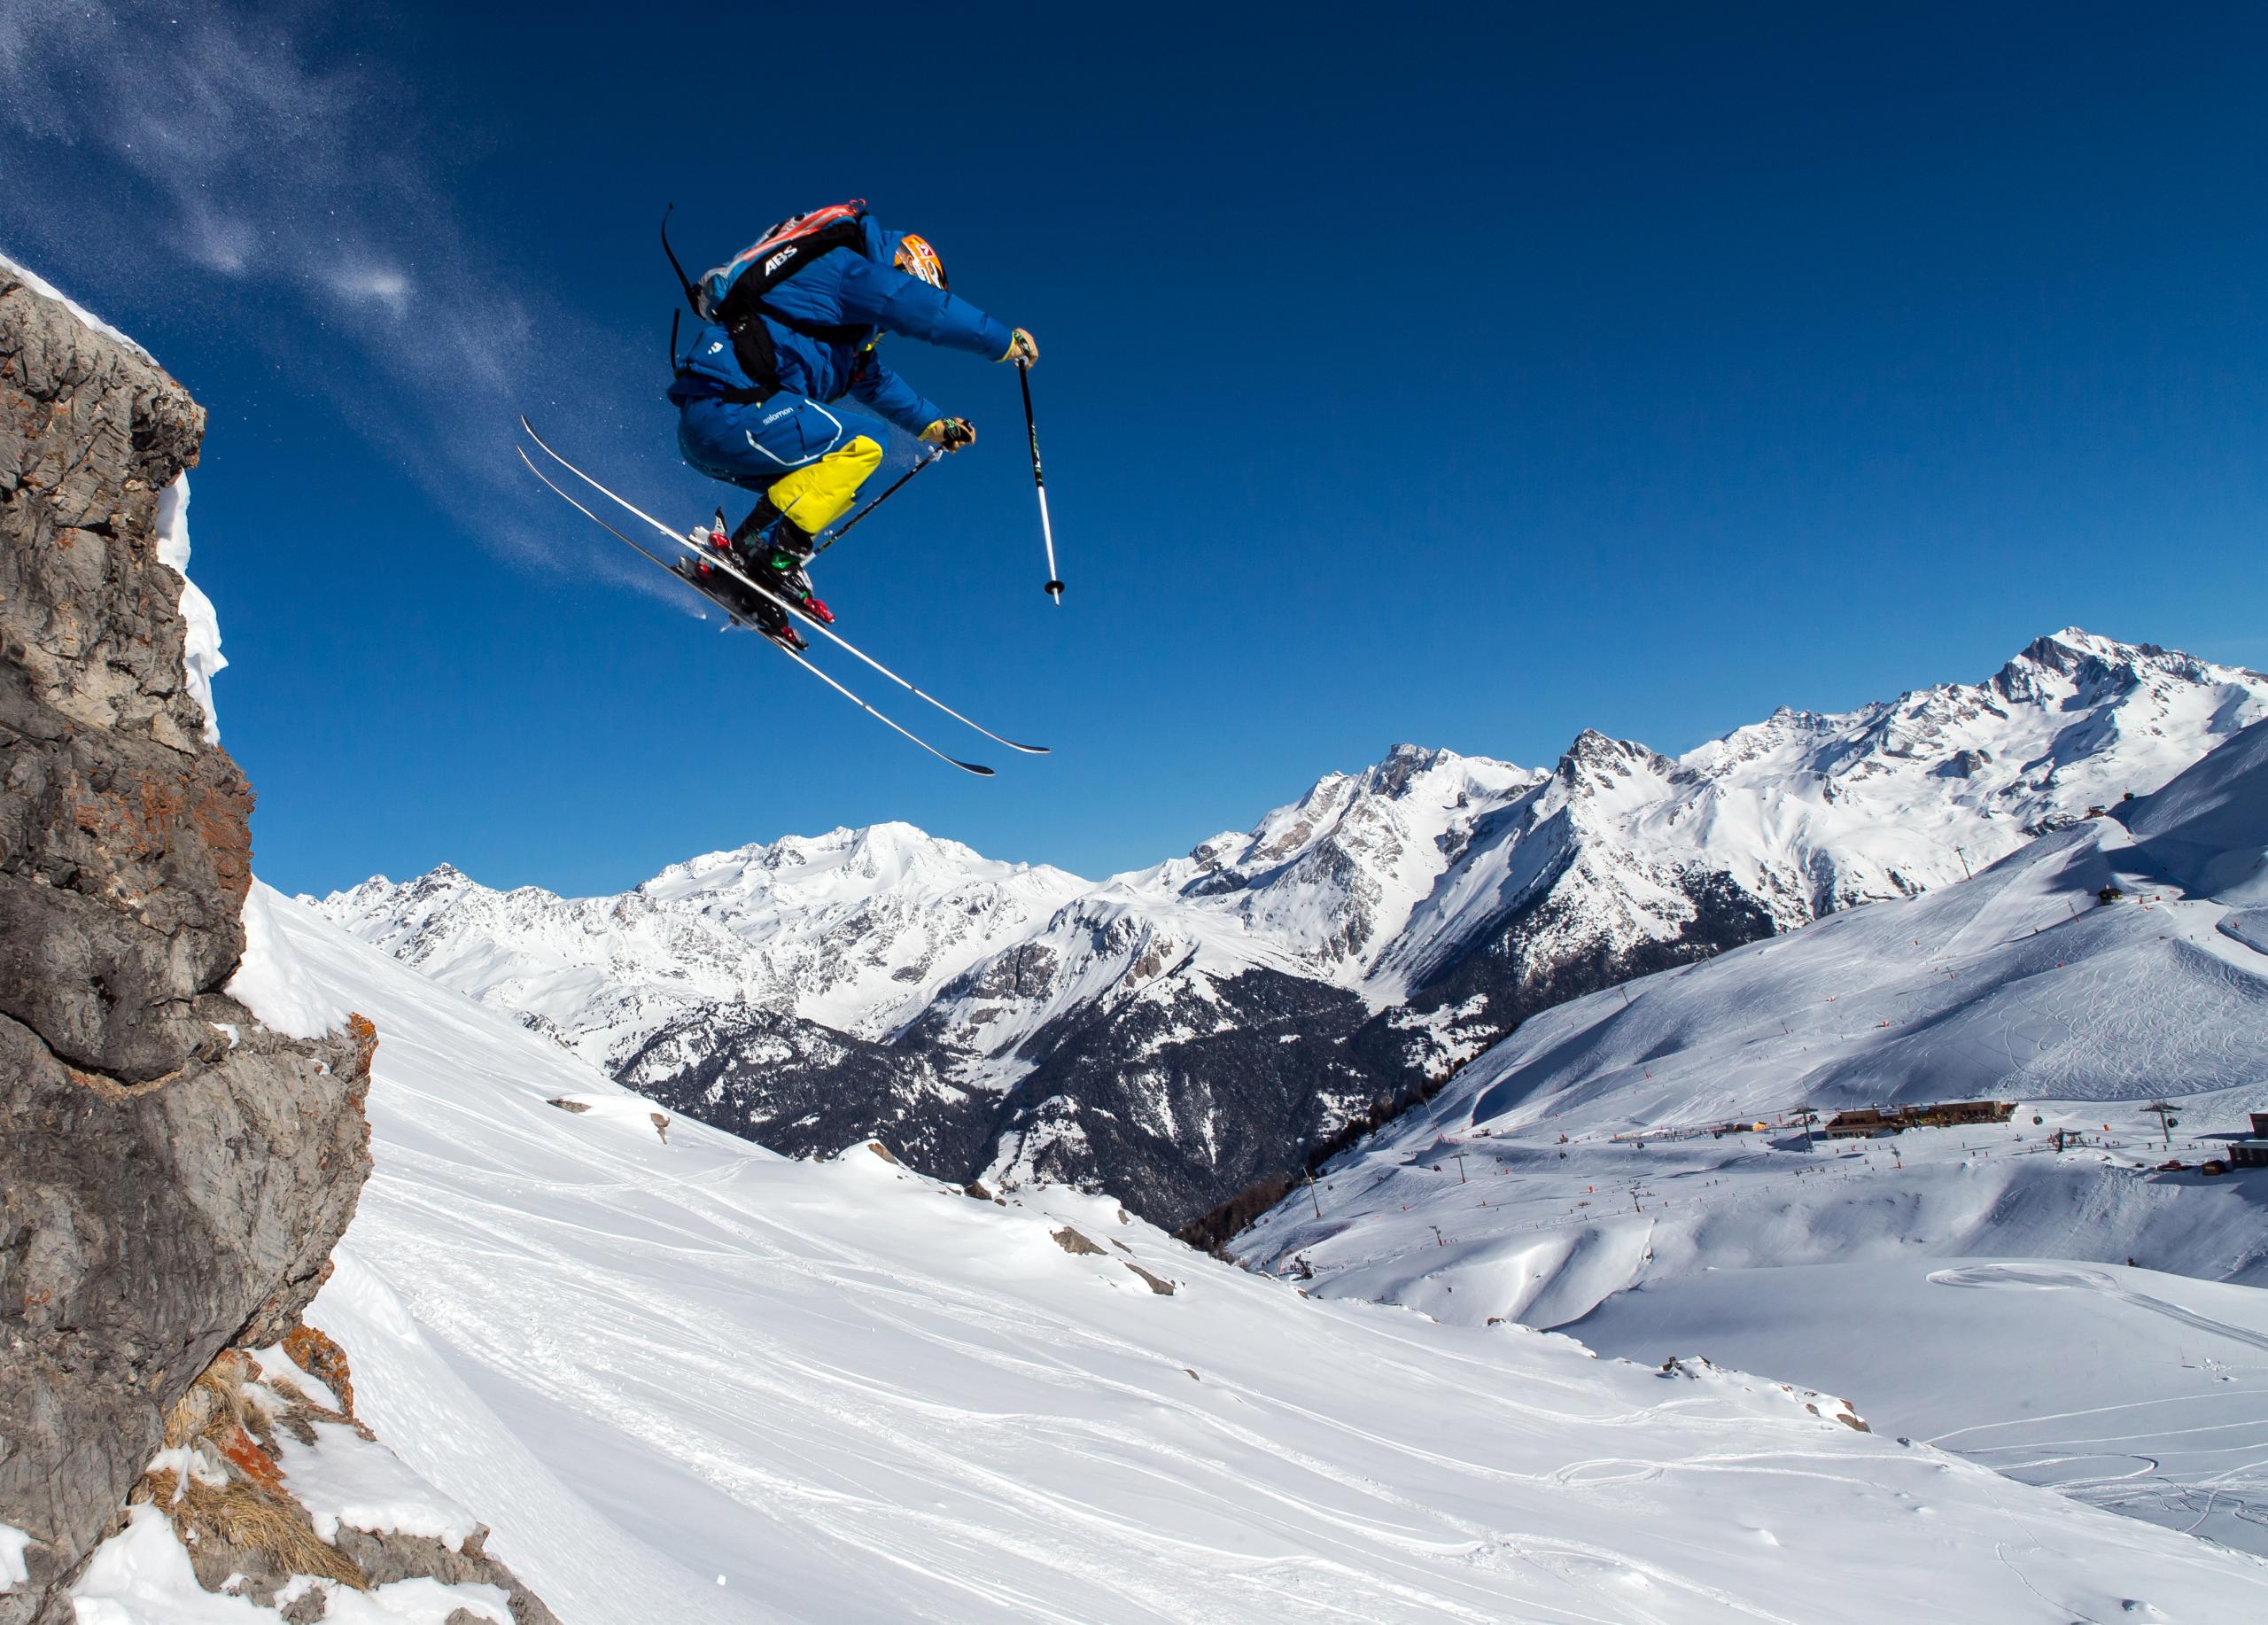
<point>1022,349</point>
<point>952,434</point>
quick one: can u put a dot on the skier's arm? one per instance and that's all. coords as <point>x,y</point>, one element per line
<point>905,304</point>
<point>891,397</point>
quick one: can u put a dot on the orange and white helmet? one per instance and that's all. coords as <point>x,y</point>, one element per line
<point>916,258</point>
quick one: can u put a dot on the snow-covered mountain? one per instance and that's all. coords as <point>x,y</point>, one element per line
<point>1627,1160</point>
<point>1625,860</point>
<point>855,929</point>
<point>1020,1020</point>
<point>1333,878</point>
<point>688,1380</point>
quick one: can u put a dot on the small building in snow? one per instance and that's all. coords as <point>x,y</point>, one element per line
<point>1866,1121</point>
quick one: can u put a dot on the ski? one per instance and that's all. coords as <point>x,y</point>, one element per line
<point>978,768</point>
<point>792,608</point>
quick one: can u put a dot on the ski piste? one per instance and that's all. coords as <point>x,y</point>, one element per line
<point>754,586</point>
<point>978,768</point>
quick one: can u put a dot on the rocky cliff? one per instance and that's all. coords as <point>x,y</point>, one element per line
<point>173,1175</point>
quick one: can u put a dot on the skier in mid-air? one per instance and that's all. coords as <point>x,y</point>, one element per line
<point>789,327</point>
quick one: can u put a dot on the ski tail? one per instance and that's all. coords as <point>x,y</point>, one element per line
<point>978,768</point>
<point>593,517</point>
<point>795,609</point>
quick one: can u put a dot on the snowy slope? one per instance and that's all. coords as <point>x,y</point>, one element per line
<point>2018,984</point>
<point>694,1381</point>
<point>2208,831</point>
<point>2130,1390</point>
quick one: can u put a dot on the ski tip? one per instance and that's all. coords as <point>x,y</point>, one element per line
<point>978,768</point>
<point>1027,749</point>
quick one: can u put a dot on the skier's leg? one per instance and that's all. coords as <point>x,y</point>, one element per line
<point>780,532</point>
<point>712,438</point>
<point>718,438</point>
<point>805,460</point>
<point>815,496</point>
<point>754,445</point>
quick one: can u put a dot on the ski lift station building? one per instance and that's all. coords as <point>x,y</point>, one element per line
<point>1866,1121</point>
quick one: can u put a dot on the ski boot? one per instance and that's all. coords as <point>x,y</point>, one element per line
<point>773,549</point>
<point>721,584</point>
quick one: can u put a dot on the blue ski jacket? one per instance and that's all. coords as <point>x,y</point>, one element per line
<point>844,289</point>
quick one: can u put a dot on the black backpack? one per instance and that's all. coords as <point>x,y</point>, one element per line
<point>731,295</point>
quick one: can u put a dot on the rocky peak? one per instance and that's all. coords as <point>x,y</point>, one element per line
<point>1401,767</point>
<point>1594,759</point>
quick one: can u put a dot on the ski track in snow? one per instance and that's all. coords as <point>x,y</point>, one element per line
<point>2050,1277</point>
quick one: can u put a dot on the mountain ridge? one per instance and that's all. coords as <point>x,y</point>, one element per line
<point>1435,899</point>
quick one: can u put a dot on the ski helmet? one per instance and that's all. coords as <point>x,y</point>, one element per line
<point>916,258</point>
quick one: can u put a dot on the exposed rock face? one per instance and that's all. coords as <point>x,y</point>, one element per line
<point>802,1088</point>
<point>173,1175</point>
<point>237,1445</point>
<point>1192,1090</point>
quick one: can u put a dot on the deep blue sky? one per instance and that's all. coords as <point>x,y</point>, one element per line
<point>1463,376</point>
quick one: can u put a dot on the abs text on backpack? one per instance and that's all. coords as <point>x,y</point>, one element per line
<point>735,291</point>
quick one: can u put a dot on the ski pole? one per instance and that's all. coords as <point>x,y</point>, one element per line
<point>897,486</point>
<point>1054,587</point>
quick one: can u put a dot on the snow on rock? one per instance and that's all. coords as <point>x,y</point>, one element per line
<point>694,1381</point>
<point>173,1175</point>
<point>274,1499</point>
<point>271,984</point>
<point>13,1541</point>
<point>40,284</point>
<point>201,657</point>
<point>345,1486</point>
<point>142,1577</point>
